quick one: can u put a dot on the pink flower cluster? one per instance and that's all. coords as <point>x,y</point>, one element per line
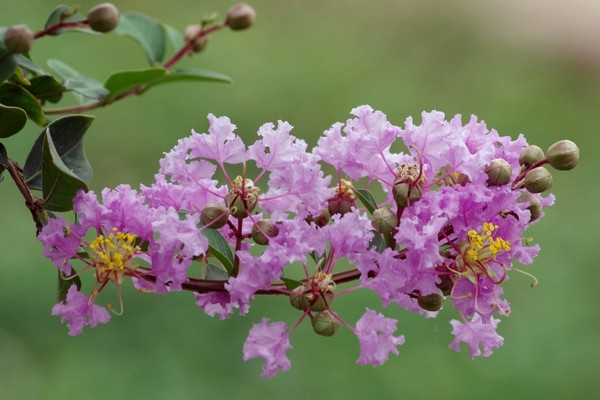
<point>420,227</point>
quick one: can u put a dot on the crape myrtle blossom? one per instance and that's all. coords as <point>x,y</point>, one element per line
<point>424,215</point>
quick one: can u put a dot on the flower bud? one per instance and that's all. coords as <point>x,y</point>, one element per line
<point>446,284</point>
<point>263,230</point>
<point>214,214</point>
<point>324,323</point>
<point>401,195</point>
<point>563,155</point>
<point>104,17</point>
<point>431,302</point>
<point>191,35</point>
<point>301,300</point>
<point>530,155</point>
<point>535,206</point>
<point>538,180</point>
<point>322,302</point>
<point>498,172</point>
<point>242,199</point>
<point>384,220</point>
<point>18,39</point>
<point>340,205</point>
<point>240,16</point>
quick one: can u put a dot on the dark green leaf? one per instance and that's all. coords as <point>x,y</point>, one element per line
<point>367,199</point>
<point>291,284</point>
<point>67,136</point>
<point>3,158</point>
<point>65,284</point>
<point>147,32</point>
<point>46,88</point>
<point>215,273</point>
<point>59,183</point>
<point>17,96</point>
<point>174,36</point>
<point>64,13</point>
<point>7,59</point>
<point>192,75</point>
<point>219,248</point>
<point>121,82</point>
<point>84,88</point>
<point>12,120</point>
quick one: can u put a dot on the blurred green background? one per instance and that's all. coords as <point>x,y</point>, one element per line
<point>310,62</point>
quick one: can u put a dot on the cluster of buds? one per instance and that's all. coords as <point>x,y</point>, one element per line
<point>444,220</point>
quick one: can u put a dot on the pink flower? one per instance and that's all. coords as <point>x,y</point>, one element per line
<point>376,336</point>
<point>475,334</point>
<point>269,341</point>
<point>79,311</point>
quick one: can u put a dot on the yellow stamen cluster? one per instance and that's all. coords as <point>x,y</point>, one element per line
<point>112,254</point>
<point>484,246</point>
<point>345,189</point>
<point>410,173</point>
<point>323,282</point>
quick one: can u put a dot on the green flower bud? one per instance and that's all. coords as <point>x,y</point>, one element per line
<point>431,302</point>
<point>240,16</point>
<point>446,284</point>
<point>563,155</point>
<point>401,195</point>
<point>214,214</point>
<point>104,17</point>
<point>301,300</point>
<point>18,39</point>
<point>384,220</point>
<point>322,301</point>
<point>324,323</point>
<point>242,200</point>
<point>498,172</point>
<point>538,180</point>
<point>263,230</point>
<point>530,155</point>
<point>191,35</point>
<point>535,206</point>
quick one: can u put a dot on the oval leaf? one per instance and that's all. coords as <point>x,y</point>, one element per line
<point>84,88</point>
<point>219,248</point>
<point>190,75</point>
<point>174,36</point>
<point>65,284</point>
<point>367,199</point>
<point>17,96</point>
<point>67,136</point>
<point>59,183</point>
<point>12,120</point>
<point>64,13</point>
<point>147,32</point>
<point>121,82</point>
<point>46,87</point>
<point>215,273</point>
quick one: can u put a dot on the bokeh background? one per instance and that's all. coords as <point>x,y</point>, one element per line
<point>524,67</point>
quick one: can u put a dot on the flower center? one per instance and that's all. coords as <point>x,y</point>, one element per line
<point>111,255</point>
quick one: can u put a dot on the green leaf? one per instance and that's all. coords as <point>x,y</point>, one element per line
<point>147,32</point>
<point>367,199</point>
<point>64,13</point>
<point>29,65</point>
<point>59,183</point>
<point>174,36</point>
<point>215,273</point>
<point>290,284</point>
<point>17,96</point>
<point>65,284</point>
<point>84,88</point>
<point>3,159</point>
<point>7,59</point>
<point>379,241</point>
<point>46,88</point>
<point>12,120</point>
<point>191,75</point>
<point>219,248</point>
<point>123,81</point>
<point>67,136</point>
